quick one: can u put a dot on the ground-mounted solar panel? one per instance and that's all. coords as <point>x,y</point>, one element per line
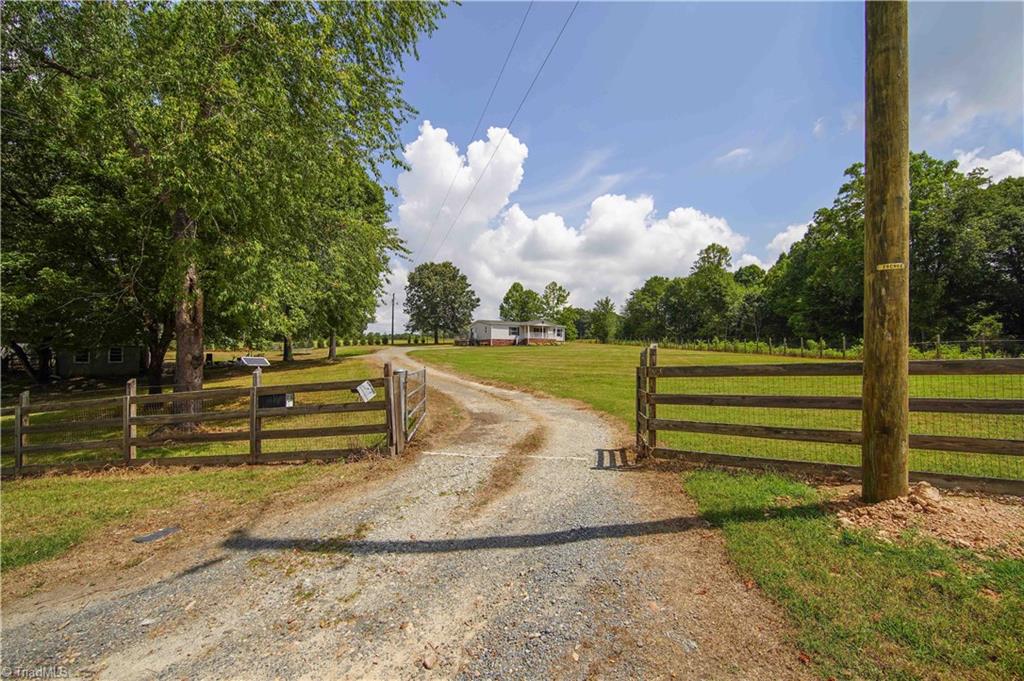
<point>254,361</point>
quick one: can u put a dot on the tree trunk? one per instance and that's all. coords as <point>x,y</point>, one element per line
<point>188,324</point>
<point>25,362</point>
<point>287,350</point>
<point>158,339</point>
<point>332,346</point>
<point>435,337</point>
<point>45,353</point>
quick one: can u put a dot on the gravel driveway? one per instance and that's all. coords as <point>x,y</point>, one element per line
<point>583,567</point>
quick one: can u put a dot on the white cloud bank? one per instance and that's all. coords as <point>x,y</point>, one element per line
<point>621,241</point>
<point>1009,163</point>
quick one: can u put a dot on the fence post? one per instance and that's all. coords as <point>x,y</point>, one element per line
<point>401,421</point>
<point>938,346</point>
<point>801,347</point>
<point>769,345</point>
<point>641,403</point>
<point>128,420</point>
<point>844,346</point>
<point>821,347</point>
<point>21,416</point>
<point>389,401</point>
<point>652,409</point>
<point>255,445</point>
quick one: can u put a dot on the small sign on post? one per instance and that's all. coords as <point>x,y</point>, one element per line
<point>366,391</point>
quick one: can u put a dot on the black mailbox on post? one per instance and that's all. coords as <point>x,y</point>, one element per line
<point>276,400</point>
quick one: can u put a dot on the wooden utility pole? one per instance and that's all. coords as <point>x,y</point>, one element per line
<point>886,252</point>
<point>392,318</point>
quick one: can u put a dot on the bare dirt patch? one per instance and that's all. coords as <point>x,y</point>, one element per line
<point>978,522</point>
<point>509,468</point>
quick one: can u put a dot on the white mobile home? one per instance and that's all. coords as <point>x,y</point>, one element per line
<point>504,332</point>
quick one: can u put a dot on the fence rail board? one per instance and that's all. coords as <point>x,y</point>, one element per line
<point>71,446</point>
<point>923,367</point>
<point>991,485</point>
<point>208,394</point>
<point>71,425</point>
<point>374,405</point>
<point>317,387</point>
<point>165,419</point>
<point>920,404</point>
<point>328,431</point>
<point>173,439</point>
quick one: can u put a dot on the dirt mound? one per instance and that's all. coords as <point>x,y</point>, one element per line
<point>968,522</point>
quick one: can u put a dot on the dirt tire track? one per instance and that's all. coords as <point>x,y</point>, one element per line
<point>584,567</point>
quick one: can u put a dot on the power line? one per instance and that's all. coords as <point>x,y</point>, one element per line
<point>507,128</point>
<point>476,128</point>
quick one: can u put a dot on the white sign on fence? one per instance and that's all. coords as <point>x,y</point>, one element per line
<point>366,391</point>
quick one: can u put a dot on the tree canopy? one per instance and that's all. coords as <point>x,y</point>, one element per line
<point>966,270</point>
<point>209,167</point>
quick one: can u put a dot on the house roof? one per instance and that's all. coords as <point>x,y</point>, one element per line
<point>510,322</point>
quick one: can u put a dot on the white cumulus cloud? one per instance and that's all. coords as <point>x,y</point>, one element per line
<point>620,242</point>
<point>786,238</point>
<point>1009,163</point>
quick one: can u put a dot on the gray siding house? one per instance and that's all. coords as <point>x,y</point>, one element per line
<point>115,360</point>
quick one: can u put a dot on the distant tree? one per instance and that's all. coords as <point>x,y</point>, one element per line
<point>748,275</point>
<point>553,301</point>
<point>986,328</point>
<point>438,299</point>
<point>569,318</point>
<point>711,292</point>
<point>604,321</point>
<point>579,319</point>
<point>643,317</point>
<point>521,304</point>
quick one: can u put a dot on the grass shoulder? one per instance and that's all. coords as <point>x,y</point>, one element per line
<point>864,607</point>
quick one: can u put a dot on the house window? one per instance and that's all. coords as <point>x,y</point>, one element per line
<point>513,330</point>
<point>558,332</point>
<point>115,355</point>
<point>81,357</point>
<point>538,329</point>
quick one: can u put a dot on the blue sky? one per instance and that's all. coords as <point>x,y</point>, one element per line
<point>745,113</point>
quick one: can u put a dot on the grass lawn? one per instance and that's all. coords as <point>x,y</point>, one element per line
<point>307,368</point>
<point>604,377</point>
<point>44,517</point>
<point>862,608</point>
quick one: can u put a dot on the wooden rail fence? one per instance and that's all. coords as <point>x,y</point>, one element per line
<point>251,406</point>
<point>648,423</point>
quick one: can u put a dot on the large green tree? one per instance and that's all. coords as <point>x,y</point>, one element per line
<point>439,299</point>
<point>520,304</point>
<point>229,130</point>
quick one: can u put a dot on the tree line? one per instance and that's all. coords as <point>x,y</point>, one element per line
<point>198,173</point>
<point>966,271</point>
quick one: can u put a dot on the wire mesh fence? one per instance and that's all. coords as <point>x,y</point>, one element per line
<point>963,423</point>
<point>216,425</point>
